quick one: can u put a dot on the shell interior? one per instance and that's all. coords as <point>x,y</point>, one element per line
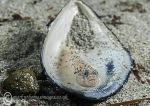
<point>82,56</point>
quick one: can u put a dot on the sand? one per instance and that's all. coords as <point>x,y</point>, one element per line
<point>128,20</point>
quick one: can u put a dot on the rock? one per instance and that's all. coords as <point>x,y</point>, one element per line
<point>21,82</point>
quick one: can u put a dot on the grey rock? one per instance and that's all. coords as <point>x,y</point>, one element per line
<point>21,82</point>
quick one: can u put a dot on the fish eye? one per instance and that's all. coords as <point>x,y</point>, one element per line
<point>86,73</point>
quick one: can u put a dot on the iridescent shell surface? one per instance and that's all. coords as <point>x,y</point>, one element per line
<point>93,64</point>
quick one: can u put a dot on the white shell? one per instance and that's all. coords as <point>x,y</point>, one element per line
<point>109,62</point>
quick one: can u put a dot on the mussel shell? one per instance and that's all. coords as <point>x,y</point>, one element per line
<point>101,93</point>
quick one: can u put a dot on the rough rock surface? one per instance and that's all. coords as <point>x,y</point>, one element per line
<point>21,82</point>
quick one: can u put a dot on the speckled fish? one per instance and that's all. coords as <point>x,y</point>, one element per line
<point>82,56</point>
